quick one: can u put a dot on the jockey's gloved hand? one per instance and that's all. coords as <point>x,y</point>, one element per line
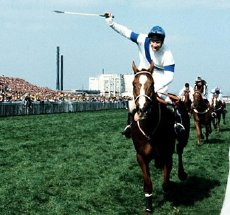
<point>107,14</point>
<point>108,18</point>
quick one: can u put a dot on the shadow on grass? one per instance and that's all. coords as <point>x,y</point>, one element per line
<point>224,129</point>
<point>215,141</point>
<point>187,193</point>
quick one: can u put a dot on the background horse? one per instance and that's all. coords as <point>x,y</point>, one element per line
<point>202,116</point>
<point>152,132</point>
<point>218,109</point>
<point>187,101</point>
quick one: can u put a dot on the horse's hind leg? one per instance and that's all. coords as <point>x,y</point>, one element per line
<point>148,189</point>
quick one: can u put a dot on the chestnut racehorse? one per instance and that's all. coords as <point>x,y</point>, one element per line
<point>202,116</point>
<point>152,132</point>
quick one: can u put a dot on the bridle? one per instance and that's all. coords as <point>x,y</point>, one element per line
<point>150,99</point>
<point>143,95</point>
<point>200,112</point>
<point>215,104</point>
<point>155,128</point>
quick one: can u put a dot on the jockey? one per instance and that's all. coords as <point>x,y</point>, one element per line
<point>201,85</point>
<point>216,92</point>
<point>151,48</point>
<point>188,88</point>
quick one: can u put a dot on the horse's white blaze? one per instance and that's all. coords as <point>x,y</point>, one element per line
<point>142,99</point>
<point>214,101</point>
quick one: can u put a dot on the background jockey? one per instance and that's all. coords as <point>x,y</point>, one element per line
<point>216,92</point>
<point>151,47</point>
<point>201,85</point>
<point>188,88</point>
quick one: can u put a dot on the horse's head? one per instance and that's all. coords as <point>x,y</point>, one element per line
<point>197,98</point>
<point>214,101</point>
<point>216,104</point>
<point>186,92</point>
<point>186,95</point>
<point>143,89</point>
<point>199,87</point>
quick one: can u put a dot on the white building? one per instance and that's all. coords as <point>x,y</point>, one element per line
<point>112,84</point>
<point>128,81</point>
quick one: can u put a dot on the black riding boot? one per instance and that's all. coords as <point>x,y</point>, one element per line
<point>178,126</point>
<point>127,130</point>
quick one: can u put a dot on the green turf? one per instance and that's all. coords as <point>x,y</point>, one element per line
<point>78,163</point>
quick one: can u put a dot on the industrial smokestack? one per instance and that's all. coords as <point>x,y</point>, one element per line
<point>61,72</point>
<point>57,79</point>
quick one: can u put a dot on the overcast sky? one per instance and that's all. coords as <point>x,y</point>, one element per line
<point>197,32</point>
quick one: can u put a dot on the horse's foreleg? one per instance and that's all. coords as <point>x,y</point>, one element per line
<point>148,189</point>
<point>208,130</point>
<point>182,175</point>
<point>198,132</point>
<point>218,123</point>
<point>166,174</point>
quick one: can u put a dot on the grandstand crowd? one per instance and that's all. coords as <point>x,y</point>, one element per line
<point>16,89</point>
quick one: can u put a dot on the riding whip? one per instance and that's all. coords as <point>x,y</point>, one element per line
<point>79,14</point>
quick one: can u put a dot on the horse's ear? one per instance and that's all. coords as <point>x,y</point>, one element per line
<point>151,67</point>
<point>134,67</point>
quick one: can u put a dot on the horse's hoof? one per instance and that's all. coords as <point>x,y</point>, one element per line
<point>148,211</point>
<point>182,176</point>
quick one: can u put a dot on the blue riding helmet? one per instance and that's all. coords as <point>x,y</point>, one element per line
<point>157,32</point>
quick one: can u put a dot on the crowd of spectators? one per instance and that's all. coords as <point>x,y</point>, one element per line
<point>16,89</point>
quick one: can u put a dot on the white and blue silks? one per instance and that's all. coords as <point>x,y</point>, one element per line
<point>163,60</point>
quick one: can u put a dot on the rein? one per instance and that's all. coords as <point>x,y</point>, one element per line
<point>148,137</point>
<point>195,110</point>
<point>171,96</point>
<point>153,132</point>
<point>220,108</point>
<point>203,112</point>
<point>143,96</point>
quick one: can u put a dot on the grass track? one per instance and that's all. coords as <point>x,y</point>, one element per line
<point>78,163</point>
